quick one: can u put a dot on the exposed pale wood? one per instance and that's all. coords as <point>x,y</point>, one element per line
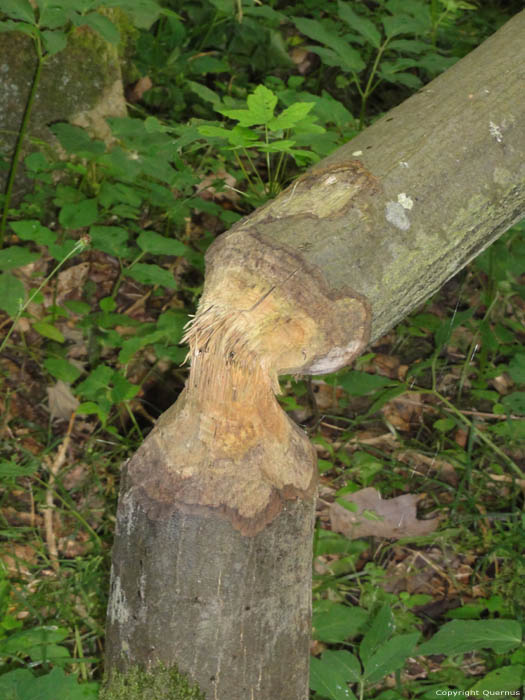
<point>211,568</point>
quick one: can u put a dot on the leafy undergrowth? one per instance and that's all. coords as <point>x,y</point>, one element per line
<point>419,568</point>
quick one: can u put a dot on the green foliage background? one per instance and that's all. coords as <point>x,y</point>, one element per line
<point>242,97</point>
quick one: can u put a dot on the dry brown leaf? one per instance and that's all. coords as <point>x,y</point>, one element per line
<point>62,403</point>
<point>404,411</point>
<point>422,464</point>
<point>71,282</point>
<point>398,516</point>
<point>135,91</point>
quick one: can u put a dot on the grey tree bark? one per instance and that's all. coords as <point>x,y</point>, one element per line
<point>211,565</point>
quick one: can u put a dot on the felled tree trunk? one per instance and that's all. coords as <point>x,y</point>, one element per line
<point>211,565</point>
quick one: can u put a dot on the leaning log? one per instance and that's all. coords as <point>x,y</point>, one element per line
<point>212,556</point>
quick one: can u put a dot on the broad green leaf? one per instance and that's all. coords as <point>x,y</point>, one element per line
<point>515,402</point>
<point>390,657</point>
<point>90,407</point>
<point>203,92</point>
<point>15,256</point>
<point>402,24</point>
<point>54,41</point>
<point>111,240</point>
<point>79,215</point>
<point>408,46</point>
<point>21,684</point>
<point>123,389</point>
<point>48,331</point>
<point>103,26</point>
<point>334,622</point>
<point>31,638</point>
<point>508,678</point>
<point>152,275</point>
<point>9,25</point>
<point>208,64</point>
<point>363,26</point>
<point>12,294</point>
<point>291,116</point>
<point>359,383</point>
<point>18,9</point>
<point>62,369</point>
<point>143,12</point>
<point>407,79</point>
<point>77,140</point>
<point>54,16</point>
<point>262,102</point>
<point>214,131</point>
<point>151,242</point>
<point>461,636</point>
<point>329,675</point>
<point>98,380</point>
<point>516,368</point>
<point>32,230</point>
<point>380,630</point>
<point>281,146</point>
<point>349,58</point>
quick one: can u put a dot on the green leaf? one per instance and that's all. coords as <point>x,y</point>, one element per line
<point>97,381</point>
<point>515,402</point>
<point>262,102</point>
<point>21,684</point>
<point>261,105</point>
<point>359,383</point>
<point>48,331</point>
<point>103,26</point>
<point>11,26</point>
<point>338,48</point>
<point>508,678</point>
<point>151,242</point>
<point>210,131</point>
<point>516,368</point>
<point>461,636</point>
<point>111,240</point>
<point>18,9</point>
<point>402,24</point>
<point>363,26</point>
<point>333,622</point>
<point>32,230</point>
<point>90,407</point>
<point>390,657</point>
<point>79,215</point>
<point>123,390</point>
<point>76,140</point>
<point>12,294</point>
<point>329,675</point>
<point>143,12</point>
<point>152,275</point>
<point>53,17</point>
<point>291,116</point>
<point>380,630</point>
<point>62,369</point>
<point>54,41</point>
<point>15,256</point>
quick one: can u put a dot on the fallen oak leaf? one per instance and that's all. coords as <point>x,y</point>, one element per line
<point>392,518</point>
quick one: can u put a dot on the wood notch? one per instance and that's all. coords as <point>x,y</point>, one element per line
<point>227,444</point>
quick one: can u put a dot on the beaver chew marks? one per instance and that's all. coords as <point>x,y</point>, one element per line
<point>227,444</point>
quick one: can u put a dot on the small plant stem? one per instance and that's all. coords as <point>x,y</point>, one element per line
<point>19,143</point>
<point>54,468</point>
<point>368,89</point>
<point>80,245</point>
<point>473,346</point>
